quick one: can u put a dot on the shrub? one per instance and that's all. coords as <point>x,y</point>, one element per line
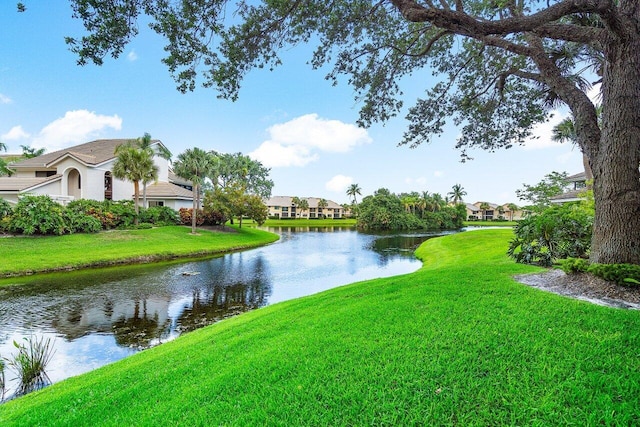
<point>622,274</point>
<point>5,208</point>
<point>185,216</point>
<point>159,215</point>
<point>574,265</point>
<point>558,232</point>
<point>37,215</point>
<point>120,214</point>
<point>77,222</point>
<point>213,217</point>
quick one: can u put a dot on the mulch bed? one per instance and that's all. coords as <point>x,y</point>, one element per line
<point>585,287</point>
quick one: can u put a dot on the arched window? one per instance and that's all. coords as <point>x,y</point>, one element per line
<point>108,186</point>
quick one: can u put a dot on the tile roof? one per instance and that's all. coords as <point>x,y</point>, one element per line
<point>166,190</point>
<point>92,153</point>
<point>21,184</point>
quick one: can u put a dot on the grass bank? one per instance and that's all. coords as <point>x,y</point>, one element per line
<point>457,343</point>
<point>26,255</point>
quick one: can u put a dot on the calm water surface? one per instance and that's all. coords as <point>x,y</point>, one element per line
<point>96,317</point>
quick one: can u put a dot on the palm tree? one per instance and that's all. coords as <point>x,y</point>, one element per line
<point>457,193</point>
<point>438,202</point>
<point>484,207</point>
<point>353,190</point>
<point>133,165</point>
<point>194,165</point>
<point>145,143</point>
<point>295,202</point>
<point>322,205</point>
<point>304,205</point>
<point>512,208</point>
<point>565,131</point>
<point>28,152</point>
<point>4,169</point>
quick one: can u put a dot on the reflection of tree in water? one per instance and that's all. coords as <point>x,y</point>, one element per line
<point>212,305</point>
<point>140,330</point>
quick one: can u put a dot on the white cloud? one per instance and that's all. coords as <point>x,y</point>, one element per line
<point>15,134</point>
<point>416,182</point>
<point>339,183</point>
<point>298,141</point>
<point>272,154</point>
<point>542,132</point>
<point>438,174</point>
<point>5,99</point>
<point>132,56</point>
<point>75,127</point>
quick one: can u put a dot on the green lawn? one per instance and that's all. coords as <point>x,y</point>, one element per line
<point>22,254</point>
<point>457,343</point>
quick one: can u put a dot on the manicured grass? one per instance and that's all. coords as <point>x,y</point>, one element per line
<point>457,343</point>
<point>22,255</point>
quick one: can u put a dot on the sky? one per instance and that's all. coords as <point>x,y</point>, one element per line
<point>291,119</point>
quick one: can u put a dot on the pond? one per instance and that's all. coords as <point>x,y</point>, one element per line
<point>95,317</point>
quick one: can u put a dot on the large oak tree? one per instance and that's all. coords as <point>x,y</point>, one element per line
<point>500,65</point>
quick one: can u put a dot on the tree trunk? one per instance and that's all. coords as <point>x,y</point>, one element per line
<point>136,196</point>
<point>616,230</point>
<point>144,195</point>
<point>196,190</point>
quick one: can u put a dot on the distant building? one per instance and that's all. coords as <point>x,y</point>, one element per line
<point>283,207</point>
<point>84,172</point>
<point>493,212</point>
<point>578,183</point>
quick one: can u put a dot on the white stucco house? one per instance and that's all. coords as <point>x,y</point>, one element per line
<point>84,172</point>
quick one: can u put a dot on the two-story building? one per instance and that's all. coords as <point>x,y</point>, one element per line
<point>283,207</point>
<point>85,172</point>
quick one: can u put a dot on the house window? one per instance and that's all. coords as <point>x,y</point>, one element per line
<point>79,181</point>
<point>156,203</point>
<point>45,174</point>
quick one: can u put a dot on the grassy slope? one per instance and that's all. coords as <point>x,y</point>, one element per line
<point>36,254</point>
<point>458,342</point>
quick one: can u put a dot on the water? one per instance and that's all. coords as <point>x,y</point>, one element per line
<point>95,317</point>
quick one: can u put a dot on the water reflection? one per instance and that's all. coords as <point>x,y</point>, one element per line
<point>99,316</point>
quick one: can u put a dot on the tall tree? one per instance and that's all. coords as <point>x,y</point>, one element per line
<point>565,131</point>
<point>133,165</point>
<point>146,143</point>
<point>239,169</point>
<point>322,205</point>
<point>353,191</point>
<point>4,167</point>
<point>484,207</point>
<point>539,195</point>
<point>29,152</point>
<point>194,165</point>
<point>499,65</point>
<point>512,210</point>
<point>304,205</point>
<point>457,193</point>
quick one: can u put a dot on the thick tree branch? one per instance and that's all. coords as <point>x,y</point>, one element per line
<point>571,33</point>
<point>463,24</point>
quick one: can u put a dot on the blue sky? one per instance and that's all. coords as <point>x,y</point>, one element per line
<point>291,119</point>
